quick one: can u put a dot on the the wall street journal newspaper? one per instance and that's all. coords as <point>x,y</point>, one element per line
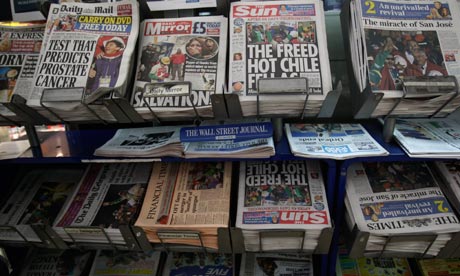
<point>176,51</point>
<point>277,39</point>
<point>89,46</point>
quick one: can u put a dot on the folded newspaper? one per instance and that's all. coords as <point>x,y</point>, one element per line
<point>283,195</point>
<point>392,41</point>
<point>253,148</point>
<point>261,264</point>
<point>183,63</point>
<point>336,141</point>
<point>88,50</point>
<point>186,203</point>
<point>450,174</point>
<point>198,263</point>
<point>109,195</point>
<point>143,142</point>
<point>429,138</point>
<point>390,199</point>
<point>278,40</point>
<point>126,263</point>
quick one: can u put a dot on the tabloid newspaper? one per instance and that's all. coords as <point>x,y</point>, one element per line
<point>143,142</point>
<point>126,263</point>
<point>395,198</point>
<point>172,52</point>
<point>336,141</point>
<point>373,266</point>
<point>429,137</point>
<point>164,5</point>
<point>88,46</point>
<point>19,49</point>
<point>278,39</point>
<point>187,196</point>
<point>58,262</point>
<point>281,195</point>
<point>109,195</point>
<point>198,264</point>
<point>38,199</point>
<point>450,173</point>
<point>261,264</point>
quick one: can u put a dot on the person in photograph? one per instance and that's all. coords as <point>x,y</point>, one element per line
<point>424,67</point>
<point>209,84</point>
<point>445,13</point>
<point>435,13</point>
<point>257,34</point>
<point>237,56</point>
<point>149,57</point>
<point>210,48</point>
<point>159,72</point>
<point>177,60</point>
<point>105,69</point>
<point>411,47</point>
<point>194,48</point>
<point>283,10</point>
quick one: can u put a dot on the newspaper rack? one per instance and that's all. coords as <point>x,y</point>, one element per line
<point>324,240</point>
<point>48,238</point>
<point>357,241</point>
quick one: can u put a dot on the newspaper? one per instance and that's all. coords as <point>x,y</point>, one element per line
<point>278,39</point>
<point>164,5</point>
<point>143,142</point>
<point>373,266</point>
<point>29,10</point>
<point>88,46</point>
<point>445,267</point>
<point>197,263</point>
<point>450,174</point>
<point>280,195</point>
<point>13,149</point>
<point>261,264</point>
<point>109,195</point>
<point>114,263</point>
<point>336,141</point>
<point>405,38</point>
<point>20,46</point>
<point>173,52</point>
<point>398,198</point>
<point>430,138</point>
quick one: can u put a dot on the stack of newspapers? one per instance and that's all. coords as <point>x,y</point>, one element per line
<point>281,196</point>
<point>143,142</point>
<point>260,264</point>
<point>20,46</point>
<point>278,41</point>
<point>450,173</point>
<point>253,148</point>
<point>336,141</point>
<point>109,195</point>
<point>399,199</point>
<point>198,263</point>
<point>39,198</point>
<point>87,54</point>
<point>186,203</point>
<point>180,64</point>
<point>126,263</point>
<point>429,138</point>
<point>393,42</point>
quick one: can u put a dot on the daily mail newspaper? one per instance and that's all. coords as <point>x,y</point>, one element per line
<point>396,198</point>
<point>88,46</point>
<point>181,50</point>
<point>407,38</point>
<point>278,39</point>
<point>337,141</point>
<point>109,195</point>
<point>20,46</point>
<point>280,195</point>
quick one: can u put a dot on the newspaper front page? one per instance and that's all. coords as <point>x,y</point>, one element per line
<point>337,141</point>
<point>278,39</point>
<point>398,198</point>
<point>127,263</point>
<point>164,5</point>
<point>260,264</point>
<point>177,51</point>
<point>88,46</point>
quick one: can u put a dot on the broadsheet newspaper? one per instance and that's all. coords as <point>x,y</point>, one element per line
<point>277,39</point>
<point>163,5</point>
<point>261,264</point>
<point>89,46</point>
<point>253,148</point>
<point>450,173</point>
<point>337,141</point>
<point>405,38</point>
<point>109,195</point>
<point>20,46</point>
<point>114,263</point>
<point>172,52</point>
<point>398,198</point>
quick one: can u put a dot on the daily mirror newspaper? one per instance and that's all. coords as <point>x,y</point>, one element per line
<point>278,39</point>
<point>177,51</point>
<point>89,46</point>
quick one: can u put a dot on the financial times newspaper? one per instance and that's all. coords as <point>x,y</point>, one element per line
<point>89,46</point>
<point>406,38</point>
<point>337,141</point>
<point>177,51</point>
<point>392,198</point>
<point>277,39</point>
<point>284,194</point>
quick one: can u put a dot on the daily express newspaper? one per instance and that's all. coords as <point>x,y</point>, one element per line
<point>113,263</point>
<point>337,141</point>
<point>89,46</point>
<point>177,50</point>
<point>398,197</point>
<point>282,194</point>
<point>109,195</point>
<point>278,39</point>
<point>408,38</point>
<point>260,264</point>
